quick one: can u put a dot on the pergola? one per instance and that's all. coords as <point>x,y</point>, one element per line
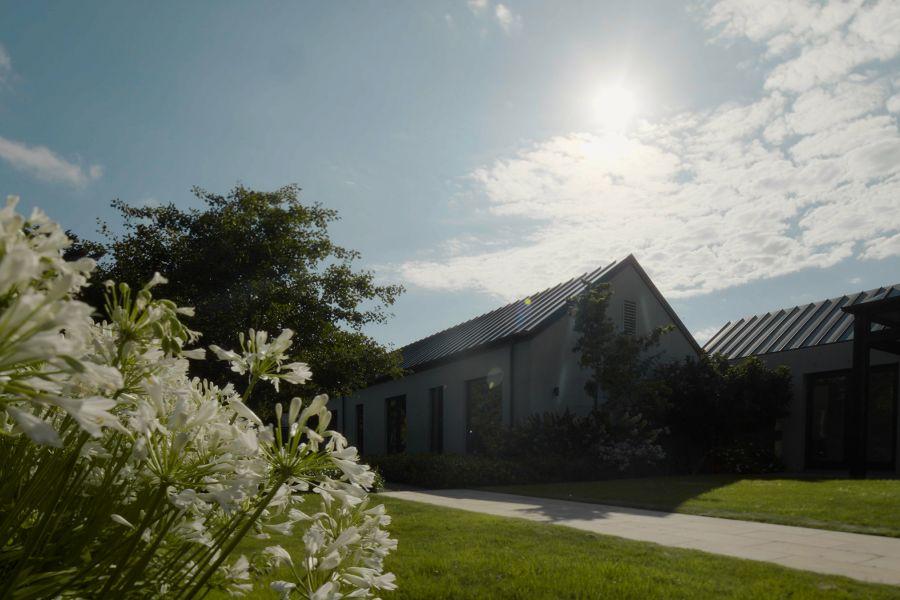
<point>876,326</point>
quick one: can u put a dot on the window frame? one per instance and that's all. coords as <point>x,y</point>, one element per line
<point>436,419</point>
<point>395,441</point>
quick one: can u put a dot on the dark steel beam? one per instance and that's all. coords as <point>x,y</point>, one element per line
<point>857,409</point>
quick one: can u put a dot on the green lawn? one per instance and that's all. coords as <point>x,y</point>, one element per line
<point>865,506</point>
<point>452,554</point>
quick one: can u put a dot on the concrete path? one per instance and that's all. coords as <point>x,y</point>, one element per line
<point>864,557</point>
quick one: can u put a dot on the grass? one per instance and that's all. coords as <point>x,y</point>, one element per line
<point>862,506</point>
<point>452,554</point>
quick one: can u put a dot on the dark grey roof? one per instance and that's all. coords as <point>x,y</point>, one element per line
<point>519,319</point>
<point>803,326</point>
<point>516,318</point>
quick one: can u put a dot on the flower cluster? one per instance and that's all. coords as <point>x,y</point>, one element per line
<point>264,359</point>
<point>124,477</point>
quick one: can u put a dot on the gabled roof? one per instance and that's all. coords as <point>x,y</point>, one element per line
<point>518,320</point>
<point>802,326</point>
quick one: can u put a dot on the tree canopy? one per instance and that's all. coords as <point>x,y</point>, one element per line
<point>257,259</point>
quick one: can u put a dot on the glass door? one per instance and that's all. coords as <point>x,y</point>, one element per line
<point>882,422</point>
<point>827,398</point>
<point>827,401</point>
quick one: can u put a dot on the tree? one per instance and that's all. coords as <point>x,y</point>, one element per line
<point>258,259</point>
<point>618,362</point>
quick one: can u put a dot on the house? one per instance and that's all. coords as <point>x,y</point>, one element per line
<point>816,341</point>
<point>509,363</point>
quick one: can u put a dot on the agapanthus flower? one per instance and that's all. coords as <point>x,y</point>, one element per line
<point>182,466</point>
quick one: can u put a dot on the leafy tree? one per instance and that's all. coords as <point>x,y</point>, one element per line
<point>80,248</point>
<point>258,259</point>
<point>618,362</point>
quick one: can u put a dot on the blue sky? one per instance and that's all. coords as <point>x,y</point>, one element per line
<point>746,152</point>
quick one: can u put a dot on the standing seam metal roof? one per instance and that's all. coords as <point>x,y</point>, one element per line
<point>802,326</point>
<point>521,317</point>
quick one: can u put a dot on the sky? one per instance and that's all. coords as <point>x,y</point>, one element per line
<point>746,152</point>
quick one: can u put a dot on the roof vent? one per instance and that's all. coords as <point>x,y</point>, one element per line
<point>629,320</point>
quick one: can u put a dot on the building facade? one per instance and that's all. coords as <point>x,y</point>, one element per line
<point>816,342</point>
<point>507,364</point>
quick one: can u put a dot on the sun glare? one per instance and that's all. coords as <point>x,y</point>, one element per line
<point>614,107</point>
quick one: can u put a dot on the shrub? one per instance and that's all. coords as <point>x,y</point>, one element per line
<point>567,446</point>
<point>709,406</point>
<point>546,447</point>
<point>744,458</point>
<point>121,477</point>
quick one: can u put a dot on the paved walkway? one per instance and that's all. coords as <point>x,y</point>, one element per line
<point>864,557</point>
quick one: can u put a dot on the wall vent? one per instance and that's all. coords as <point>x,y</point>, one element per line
<point>629,320</point>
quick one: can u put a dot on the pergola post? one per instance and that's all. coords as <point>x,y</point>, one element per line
<point>857,421</point>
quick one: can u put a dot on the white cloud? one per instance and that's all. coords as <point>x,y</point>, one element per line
<point>893,103</point>
<point>883,247</point>
<point>506,18</point>
<point>477,6</point>
<point>508,21</point>
<point>45,164</point>
<point>805,176</point>
<point>818,42</point>
<point>704,335</point>
<point>5,65</point>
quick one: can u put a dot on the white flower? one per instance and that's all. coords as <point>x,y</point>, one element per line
<point>330,561</point>
<point>278,555</point>
<point>156,280</point>
<point>91,413</point>
<point>327,591</point>
<point>296,373</point>
<point>285,528</point>
<point>314,539</point>
<point>121,520</point>
<point>239,575</point>
<point>124,381</point>
<point>296,405</point>
<point>195,354</point>
<point>238,364</point>
<point>242,410</point>
<point>284,588</point>
<point>38,430</point>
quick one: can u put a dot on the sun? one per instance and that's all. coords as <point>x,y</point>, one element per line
<point>614,107</point>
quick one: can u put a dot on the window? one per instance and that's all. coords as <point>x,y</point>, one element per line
<point>360,430</point>
<point>629,318</point>
<point>335,424</point>
<point>436,400</point>
<point>484,414</point>
<point>827,398</point>
<point>395,417</point>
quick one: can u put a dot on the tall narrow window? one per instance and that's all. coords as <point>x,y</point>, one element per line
<point>629,319</point>
<point>436,398</point>
<point>334,423</point>
<point>484,401</point>
<point>395,417</point>
<point>360,429</point>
